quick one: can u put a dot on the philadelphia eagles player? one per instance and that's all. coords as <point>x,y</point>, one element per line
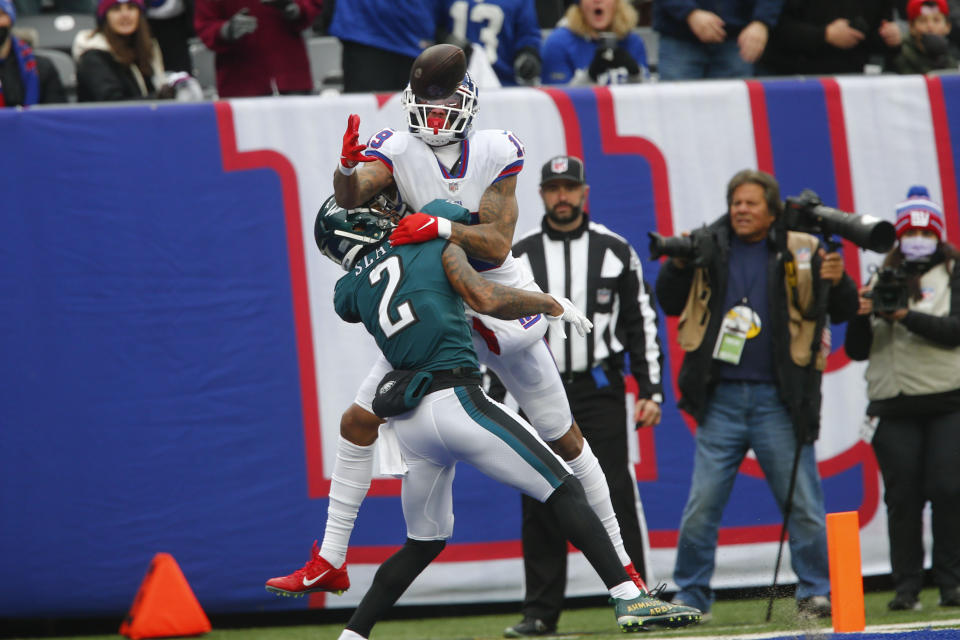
<point>410,299</point>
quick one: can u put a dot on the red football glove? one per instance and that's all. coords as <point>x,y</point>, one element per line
<point>351,153</point>
<point>419,227</point>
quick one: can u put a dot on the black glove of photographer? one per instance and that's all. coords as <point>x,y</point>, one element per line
<point>289,8</point>
<point>527,65</point>
<point>606,59</point>
<point>936,48</point>
<point>240,24</point>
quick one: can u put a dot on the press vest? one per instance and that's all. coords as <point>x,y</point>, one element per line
<point>695,317</point>
<point>903,362</point>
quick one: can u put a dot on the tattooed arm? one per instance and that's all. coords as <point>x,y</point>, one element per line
<point>490,298</point>
<point>492,238</point>
<point>361,185</point>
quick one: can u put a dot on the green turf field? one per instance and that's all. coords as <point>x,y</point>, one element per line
<point>730,618</point>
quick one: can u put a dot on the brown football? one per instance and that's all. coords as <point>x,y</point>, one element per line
<point>437,71</point>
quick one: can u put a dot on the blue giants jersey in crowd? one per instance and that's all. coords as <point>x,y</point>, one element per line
<point>501,27</point>
<point>564,52</point>
<point>403,297</point>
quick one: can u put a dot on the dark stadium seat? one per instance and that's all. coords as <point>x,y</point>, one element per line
<point>203,69</point>
<point>56,30</point>
<point>66,68</point>
<point>325,56</point>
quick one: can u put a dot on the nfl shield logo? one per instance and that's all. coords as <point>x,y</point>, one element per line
<point>603,296</point>
<point>454,187</point>
<point>559,165</point>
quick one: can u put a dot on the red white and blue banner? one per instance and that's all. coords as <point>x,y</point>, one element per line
<point>174,373</point>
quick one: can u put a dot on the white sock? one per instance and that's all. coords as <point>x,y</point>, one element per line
<point>625,591</point>
<point>587,469</point>
<point>348,487</point>
<point>346,634</point>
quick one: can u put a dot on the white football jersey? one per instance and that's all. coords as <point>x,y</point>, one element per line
<point>487,155</point>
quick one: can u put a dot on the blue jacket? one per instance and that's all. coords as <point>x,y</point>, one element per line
<point>564,52</point>
<point>406,27</point>
<point>670,16</point>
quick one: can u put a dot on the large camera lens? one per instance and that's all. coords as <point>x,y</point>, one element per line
<point>674,246</point>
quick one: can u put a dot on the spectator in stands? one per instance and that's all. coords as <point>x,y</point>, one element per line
<point>119,60</point>
<point>34,7</point>
<point>912,340</point>
<point>595,43</point>
<point>381,39</point>
<point>953,14</point>
<point>258,44</point>
<point>831,36</point>
<point>171,22</point>
<point>927,48</point>
<point>706,39</point>
<point>25,78</point>
<point>506,30</point>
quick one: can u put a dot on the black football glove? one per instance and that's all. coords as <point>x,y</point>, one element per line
<point>240,24</point>
<point>607,59</point>
<point>526,66</point>
<point>289,8</point>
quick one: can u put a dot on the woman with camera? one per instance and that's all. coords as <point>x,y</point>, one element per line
<point>908,326</point>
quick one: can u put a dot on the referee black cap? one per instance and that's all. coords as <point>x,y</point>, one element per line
<point>562,168</point>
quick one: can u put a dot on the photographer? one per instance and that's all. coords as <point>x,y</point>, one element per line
<point>744,299</point>
<point>595,44</point>
<point>909,328</point>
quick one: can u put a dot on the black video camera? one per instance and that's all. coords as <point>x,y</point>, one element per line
<point>807,213</point>
<point>890,291</point>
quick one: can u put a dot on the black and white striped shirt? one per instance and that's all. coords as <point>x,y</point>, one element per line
<point>600,272</point>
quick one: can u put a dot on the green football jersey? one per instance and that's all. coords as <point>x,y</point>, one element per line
<point>403,297</point>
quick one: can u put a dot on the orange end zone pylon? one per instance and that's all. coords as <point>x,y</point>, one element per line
<point>165,605</point>
<point>846,576</point>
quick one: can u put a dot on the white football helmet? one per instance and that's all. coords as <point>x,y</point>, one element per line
<point>440,122</point>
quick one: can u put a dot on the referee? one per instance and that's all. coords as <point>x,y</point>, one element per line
<point>600,272</point>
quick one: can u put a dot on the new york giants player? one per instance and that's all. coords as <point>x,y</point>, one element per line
<point>442,157</point>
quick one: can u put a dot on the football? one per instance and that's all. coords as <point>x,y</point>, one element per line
<point>437,71</point>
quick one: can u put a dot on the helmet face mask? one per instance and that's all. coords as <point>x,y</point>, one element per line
<point>341,234</point>
<point>440,122</point>
<point>387,205</point>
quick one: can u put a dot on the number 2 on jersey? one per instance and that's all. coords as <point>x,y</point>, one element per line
<point>407,316</point>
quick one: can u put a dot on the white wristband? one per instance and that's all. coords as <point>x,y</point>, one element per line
<point>444,228</point>
<point>345,170</point>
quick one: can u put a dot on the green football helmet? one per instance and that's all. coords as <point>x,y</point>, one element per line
<point>340,233</point>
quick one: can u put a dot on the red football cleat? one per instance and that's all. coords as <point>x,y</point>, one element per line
<point>637,580</point>
<point>316,575</point>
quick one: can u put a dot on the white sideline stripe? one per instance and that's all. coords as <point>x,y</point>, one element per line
<point>720,632</point>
